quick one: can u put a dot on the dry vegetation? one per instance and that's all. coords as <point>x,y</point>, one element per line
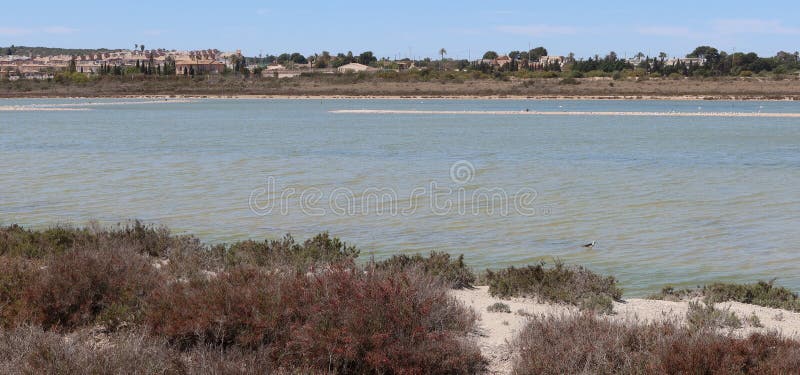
<point>585,344</point>
<point>414,84</point>
<point>184,307</point>
<point>560,283</point>
<point>136,299</point>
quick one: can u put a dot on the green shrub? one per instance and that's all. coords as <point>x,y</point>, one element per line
<point>321,249</point>
<point>761,293</point>
<point>573,285</point>
<point>499,307</point>
<point>19,242</point>
<point>705,316</point>
<point>754,321</point>
<point>569,81</point>
<point>453,271</point>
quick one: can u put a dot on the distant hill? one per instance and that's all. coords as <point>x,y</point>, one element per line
<point>49,51</point>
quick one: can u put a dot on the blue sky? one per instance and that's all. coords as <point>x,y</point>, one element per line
<point>402,28</point>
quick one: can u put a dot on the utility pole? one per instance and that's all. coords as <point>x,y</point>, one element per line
<point>529,55</point>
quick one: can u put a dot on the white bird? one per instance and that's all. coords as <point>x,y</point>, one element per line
<point>590,245</point>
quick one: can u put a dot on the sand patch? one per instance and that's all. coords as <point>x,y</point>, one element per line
<point>496,329</point>
<point>25,108</point>
<point>566,113</point>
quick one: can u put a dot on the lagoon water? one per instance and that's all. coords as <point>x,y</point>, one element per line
<point>669,200</point>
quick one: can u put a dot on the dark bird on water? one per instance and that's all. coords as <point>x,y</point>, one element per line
<point>590,245</point>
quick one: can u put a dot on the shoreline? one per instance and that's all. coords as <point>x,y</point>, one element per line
<point>720,98</point>
<point>568,113</point>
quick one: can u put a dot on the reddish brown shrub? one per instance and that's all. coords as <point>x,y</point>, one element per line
<point>15,275</point>
<point>79,287</point>
<point>587,344</point>
<point>340,319</point>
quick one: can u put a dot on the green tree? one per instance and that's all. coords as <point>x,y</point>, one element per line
<point>537,53</point>
<point>367,58</point>
<point>490,55</point>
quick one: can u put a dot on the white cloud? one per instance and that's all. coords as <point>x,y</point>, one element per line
<point>538,30</point>
<point>753,26</point>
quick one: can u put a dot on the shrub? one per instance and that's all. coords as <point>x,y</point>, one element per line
<point>139,237</point>
<point>453,271</point>
<point>15,275</point>
<point>706,316</point>
<point>754,321</point>
<point>499,307</point>
<point>30,350</point>
<point>321,249</point>
<point>340,320</point>
<point>568,81</point>
<point>19,242</point>
<point>675,76</point>
<point>78,287</point>
<point>586,344</point>
<point>761,293</point>
<point>573,285</point>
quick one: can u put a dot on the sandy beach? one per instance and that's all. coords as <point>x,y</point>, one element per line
<point>568,113</point>
<point>496,329</point>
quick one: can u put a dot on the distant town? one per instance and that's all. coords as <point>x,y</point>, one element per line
<point>48,63</point>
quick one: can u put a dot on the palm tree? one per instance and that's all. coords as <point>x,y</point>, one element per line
<point>442,52</point>
<point>662,56</point>
<point>136,46</point>
<point>142,48</point>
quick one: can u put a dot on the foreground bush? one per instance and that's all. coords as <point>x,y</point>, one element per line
<point>453,271</point>
<point>341,319</point>
<point>574,285</point>
<point>761,293</point>
<point>586,344</point>
<point>30,350</point>
<point>76,288</point>
<point>15,276</point>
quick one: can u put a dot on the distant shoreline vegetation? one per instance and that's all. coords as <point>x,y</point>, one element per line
<point>63,65</point>
<point>705,71</point>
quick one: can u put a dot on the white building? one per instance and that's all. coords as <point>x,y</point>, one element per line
<point>355,68</point>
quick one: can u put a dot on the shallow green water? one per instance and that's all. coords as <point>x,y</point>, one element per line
<point>668,200</point>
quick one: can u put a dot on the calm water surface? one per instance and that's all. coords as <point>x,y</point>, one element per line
<point>668,200</point>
